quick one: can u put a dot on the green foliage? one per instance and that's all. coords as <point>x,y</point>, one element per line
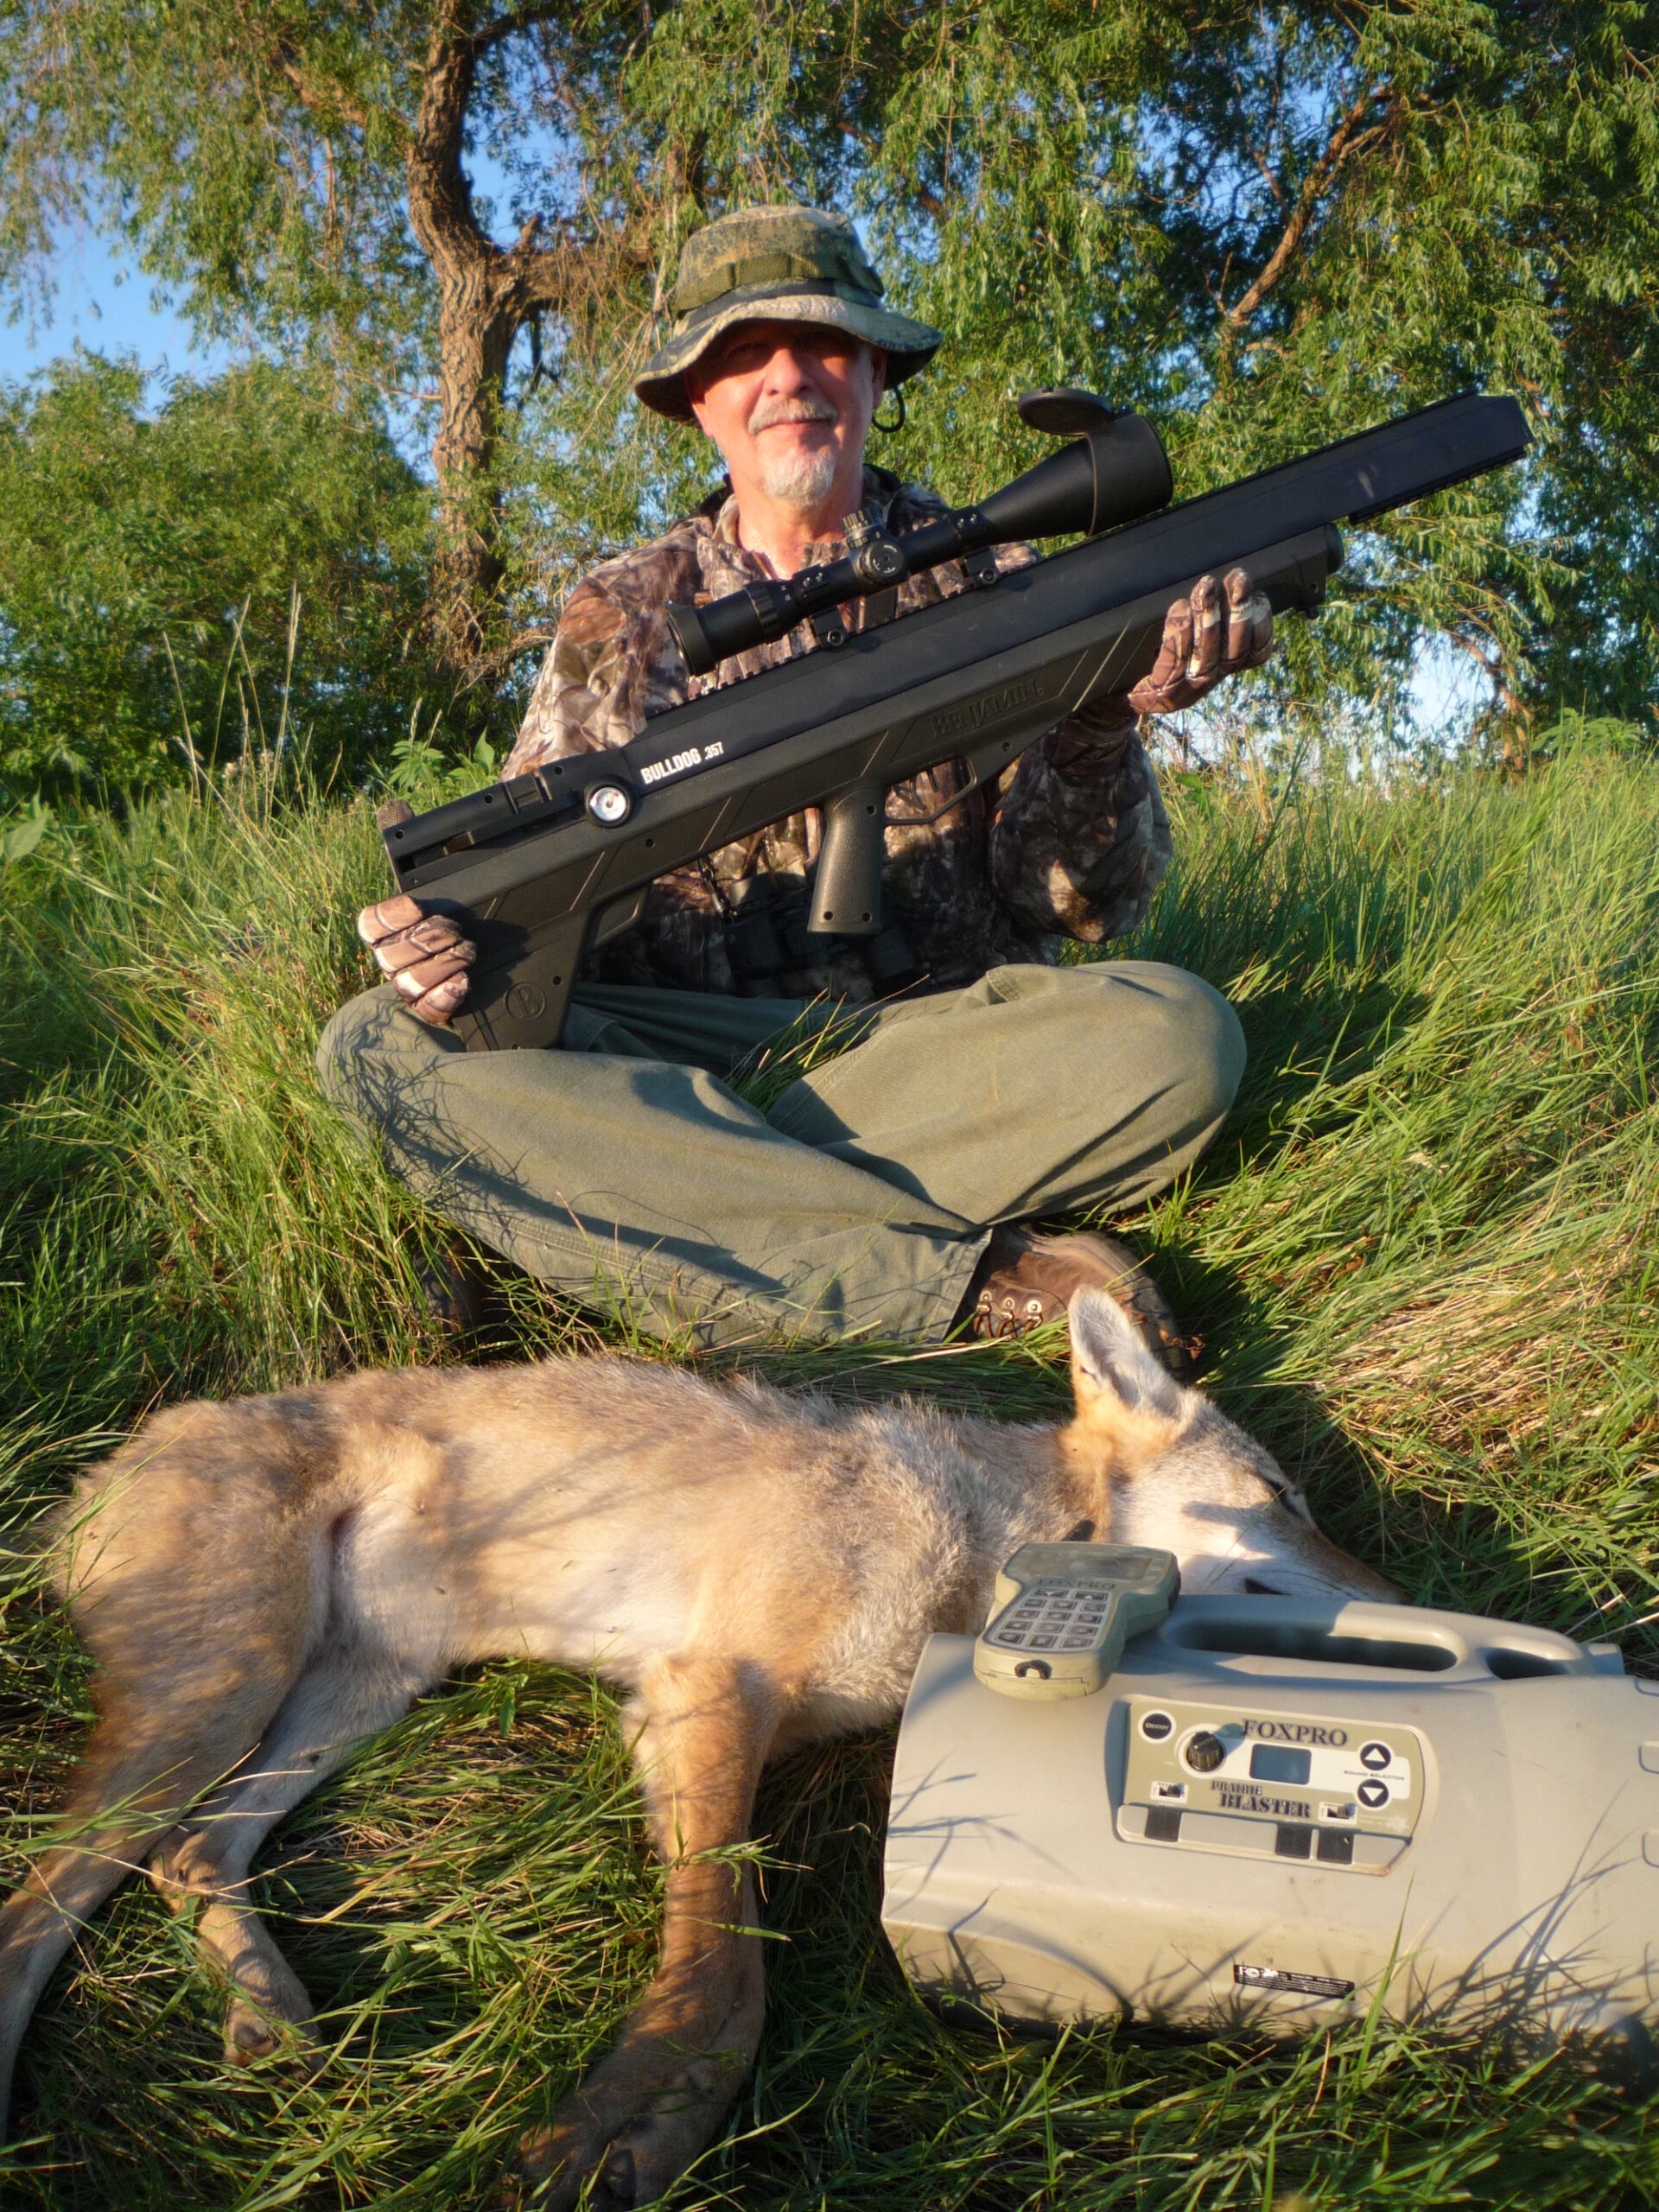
<point>22,830</point>
<point>187,121</point>
<point>424,774</point>
<point>1421,1258</point>
<point>238,565</point>
<point>1267,224</point>
<point>1267,227</point>
<point>587,473</point>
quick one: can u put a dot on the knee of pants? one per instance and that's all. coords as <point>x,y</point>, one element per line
<point>362,1043</point>
<point>1195,1038</point>
<point>1207,1044</point>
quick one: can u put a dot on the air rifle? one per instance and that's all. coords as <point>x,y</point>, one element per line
<point>540,868</point>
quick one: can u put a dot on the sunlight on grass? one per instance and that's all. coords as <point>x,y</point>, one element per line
<point>1422,1258</point>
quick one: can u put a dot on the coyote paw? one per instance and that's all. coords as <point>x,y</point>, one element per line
<point>254,2031</point>
<point>630,2152</point>
<point>267,2007</point>
<point>552,2166</point>
<point>268,2011</point>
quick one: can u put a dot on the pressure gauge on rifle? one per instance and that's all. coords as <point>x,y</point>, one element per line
<point>609,804</point>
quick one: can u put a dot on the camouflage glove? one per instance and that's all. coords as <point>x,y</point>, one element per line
<point>424,955</point>
<point>1216,632</point>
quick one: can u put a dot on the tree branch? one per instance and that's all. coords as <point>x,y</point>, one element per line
<point>552,279</point>
<point>319,98</point>
<point>1346,141</point>
<point>490,667</point>
<point>505,27</point>
<point>441,210</point>
<point>549,277</point>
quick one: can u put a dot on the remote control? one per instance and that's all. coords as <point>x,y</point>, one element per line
<point>1062,1613</point>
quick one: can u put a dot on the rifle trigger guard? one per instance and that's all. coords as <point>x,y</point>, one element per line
<point>925,820</point>
<point>983,766</point>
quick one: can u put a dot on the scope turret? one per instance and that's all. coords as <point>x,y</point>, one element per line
<point>1115,472</point>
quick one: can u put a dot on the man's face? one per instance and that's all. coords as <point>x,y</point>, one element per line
<point>787,404</point>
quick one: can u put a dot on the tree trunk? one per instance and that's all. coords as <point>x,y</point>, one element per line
<point>476,335</point>
<point>485,292</point>
<point>473,339</point>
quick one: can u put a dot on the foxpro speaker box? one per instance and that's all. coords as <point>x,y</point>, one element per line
<point>1275,1813</point>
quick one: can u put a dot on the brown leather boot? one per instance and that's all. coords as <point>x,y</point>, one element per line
<point>453,1288</point>
<point>1023,1280</point>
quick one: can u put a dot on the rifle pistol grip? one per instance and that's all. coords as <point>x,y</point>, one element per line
<point>847,890</point>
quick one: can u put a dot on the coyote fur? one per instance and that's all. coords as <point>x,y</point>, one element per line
<point>265,1584</point>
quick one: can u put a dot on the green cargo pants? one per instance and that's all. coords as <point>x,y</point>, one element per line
<point>623,1169</point>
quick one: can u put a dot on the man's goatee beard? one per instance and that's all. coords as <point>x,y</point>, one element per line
<point>798,480</point>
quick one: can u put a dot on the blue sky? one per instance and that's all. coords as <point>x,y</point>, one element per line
<point>106,304</point>
<point>102,300</point>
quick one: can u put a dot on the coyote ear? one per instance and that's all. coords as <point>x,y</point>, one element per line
<point>1112,1371</point>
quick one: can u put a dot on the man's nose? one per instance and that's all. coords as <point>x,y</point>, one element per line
<point>789,372</point>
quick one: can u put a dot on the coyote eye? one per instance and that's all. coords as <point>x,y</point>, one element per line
<point>1285,1493</point>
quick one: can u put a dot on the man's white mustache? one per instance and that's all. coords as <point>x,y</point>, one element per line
<point>770,411</point>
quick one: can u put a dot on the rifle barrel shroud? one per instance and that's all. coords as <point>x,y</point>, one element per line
<point>538,869</point>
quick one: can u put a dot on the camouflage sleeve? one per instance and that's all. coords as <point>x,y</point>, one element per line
<point>1080,839</point>
<point>583,699</point>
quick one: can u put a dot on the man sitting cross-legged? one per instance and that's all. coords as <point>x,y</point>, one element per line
<point>973,1084</point>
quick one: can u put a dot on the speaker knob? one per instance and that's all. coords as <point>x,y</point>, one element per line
<point>1206,1752</point>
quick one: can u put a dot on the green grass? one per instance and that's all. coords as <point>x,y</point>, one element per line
<point>1422,1257</point>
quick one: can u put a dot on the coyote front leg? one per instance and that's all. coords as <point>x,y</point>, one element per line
<point>703,1728</point>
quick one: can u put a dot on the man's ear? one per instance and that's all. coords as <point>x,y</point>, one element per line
<point>878,374</point>
<point>1116,1379</point>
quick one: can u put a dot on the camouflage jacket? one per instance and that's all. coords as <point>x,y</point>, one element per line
<point>1071,842</point>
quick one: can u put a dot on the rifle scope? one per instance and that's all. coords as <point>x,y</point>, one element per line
<point>1116,471</point>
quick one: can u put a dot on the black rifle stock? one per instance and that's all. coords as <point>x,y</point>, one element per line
<point>539,870</point>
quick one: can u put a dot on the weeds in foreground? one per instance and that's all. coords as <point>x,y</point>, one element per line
<point>1422,1258</point>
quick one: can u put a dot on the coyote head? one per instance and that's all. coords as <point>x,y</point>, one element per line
<point>1173,1472</point>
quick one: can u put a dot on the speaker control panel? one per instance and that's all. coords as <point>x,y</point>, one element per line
<point>1335,1792</point>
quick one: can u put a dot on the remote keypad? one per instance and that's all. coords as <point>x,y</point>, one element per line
<point>1054,1616</point>
<point>1060,1613</point>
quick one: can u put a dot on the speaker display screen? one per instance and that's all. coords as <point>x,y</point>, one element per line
<point>1277,1763</point>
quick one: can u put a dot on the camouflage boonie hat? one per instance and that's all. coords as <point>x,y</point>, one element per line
<point>776,264</point>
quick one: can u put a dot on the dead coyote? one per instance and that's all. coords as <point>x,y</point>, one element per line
<point>265,1584</point>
